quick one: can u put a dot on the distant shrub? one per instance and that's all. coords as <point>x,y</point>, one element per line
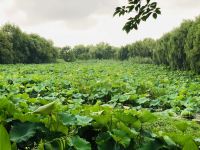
<point>141,60</point>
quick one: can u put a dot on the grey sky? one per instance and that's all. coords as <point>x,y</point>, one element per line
<point>68,11</point>
<point>71,22</point>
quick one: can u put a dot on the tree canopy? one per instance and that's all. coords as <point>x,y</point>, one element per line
<point>19,47</point>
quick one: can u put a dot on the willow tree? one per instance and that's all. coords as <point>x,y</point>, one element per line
<point>160,54</point>
<point>192,46</point>
<point>177,41</point>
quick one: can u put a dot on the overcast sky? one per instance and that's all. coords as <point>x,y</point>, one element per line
<point>72,22</point>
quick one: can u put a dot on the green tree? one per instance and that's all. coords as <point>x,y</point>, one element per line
<point>123,53</point>
<point>81,52</point>
<point>160,54</point>
<point>192,46</point>
<point>104,51</point>
<point>67,54</point>
<point>41,50</point>
<point>63,51</point>
<point>19,47</point>
<point>176,52</point>
<point>18,40</point>
<point>142,48</point>
<point>6,49</point>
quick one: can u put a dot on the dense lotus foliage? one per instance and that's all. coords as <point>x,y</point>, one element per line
<point>98,105</point>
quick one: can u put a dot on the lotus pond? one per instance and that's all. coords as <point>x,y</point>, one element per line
<point>98,105</point>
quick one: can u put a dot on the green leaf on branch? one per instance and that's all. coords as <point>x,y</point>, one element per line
<point>142,11</point>
<point>155,15</point>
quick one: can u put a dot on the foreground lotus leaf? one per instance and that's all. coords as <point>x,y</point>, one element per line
<point>24,131</point>
<point>4,139</point>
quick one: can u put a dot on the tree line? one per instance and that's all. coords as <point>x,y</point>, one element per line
<point>141,49</point>
<point>178,49</point>
<point>19,47</point>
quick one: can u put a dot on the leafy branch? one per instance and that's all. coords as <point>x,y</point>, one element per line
<point>141,12</point>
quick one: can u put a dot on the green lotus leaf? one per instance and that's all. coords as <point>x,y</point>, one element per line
<point>4,139</point>
<point>80,143</point>
<point>83,120</point>
<point>24,131</point>
<point>67,119</point>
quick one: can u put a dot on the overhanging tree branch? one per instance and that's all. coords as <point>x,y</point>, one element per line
<point>141,10</point>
